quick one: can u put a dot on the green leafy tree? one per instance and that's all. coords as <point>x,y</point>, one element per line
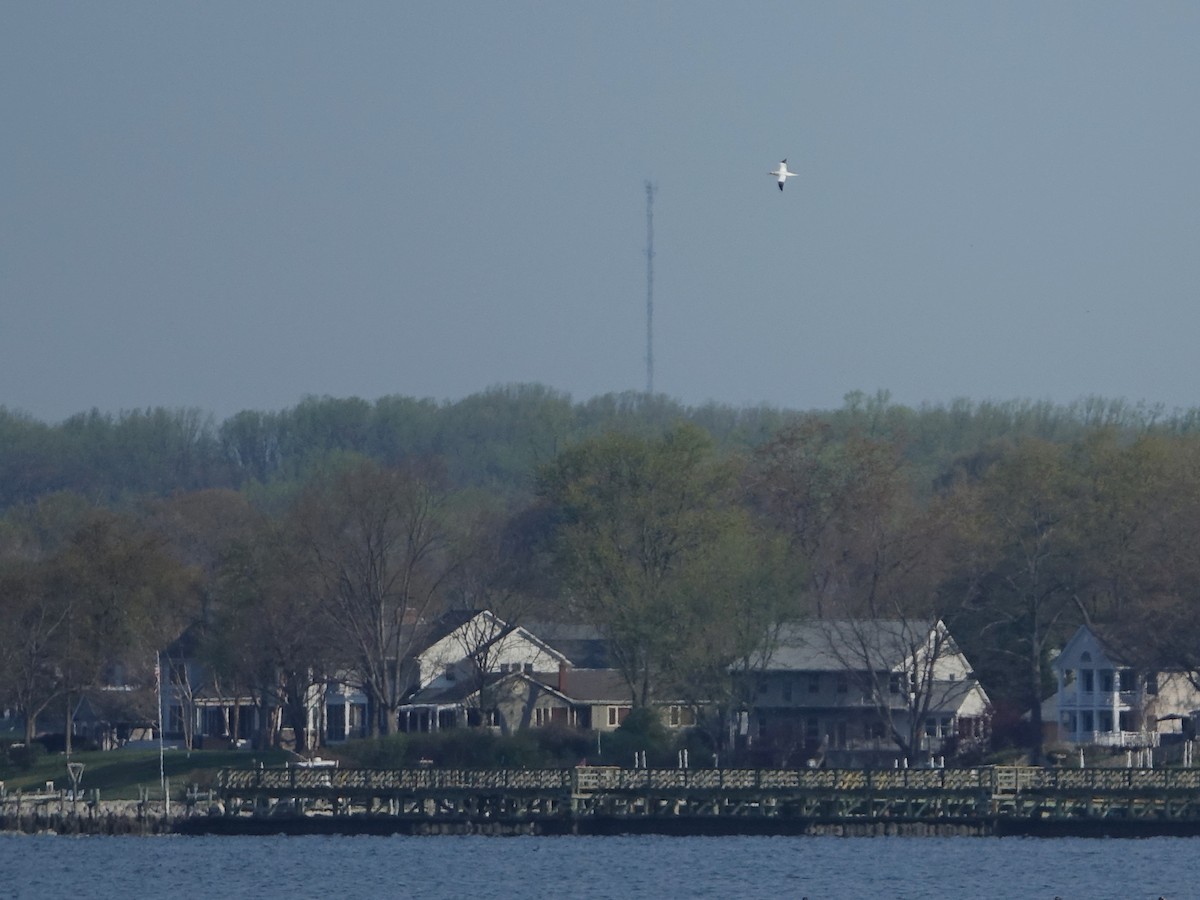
<point>86,592</point>
<point>1143,523</point>
<point>639,523</point>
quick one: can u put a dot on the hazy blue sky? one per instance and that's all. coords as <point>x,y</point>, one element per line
<point>230,205</point>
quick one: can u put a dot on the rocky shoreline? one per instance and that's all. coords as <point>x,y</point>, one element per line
<point>104,817</point>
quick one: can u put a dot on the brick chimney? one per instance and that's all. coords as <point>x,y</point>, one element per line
<point>562,677</point>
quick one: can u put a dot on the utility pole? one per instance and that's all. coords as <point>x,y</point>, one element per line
<point>649,288</point>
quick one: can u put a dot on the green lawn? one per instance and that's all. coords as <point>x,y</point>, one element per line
<point>119,773</point>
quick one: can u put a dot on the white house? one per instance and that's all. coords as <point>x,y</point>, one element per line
<point>466,642</point>
<point>465,652</point>
<point>1103,699</point>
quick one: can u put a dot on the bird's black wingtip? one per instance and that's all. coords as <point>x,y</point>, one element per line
<point>781,185</point>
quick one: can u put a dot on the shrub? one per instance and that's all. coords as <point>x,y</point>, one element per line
<point>388,752</point>
<point>23,756</point>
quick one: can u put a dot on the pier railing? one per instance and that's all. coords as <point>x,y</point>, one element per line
<point>301,779</point>
<point>1000,799</point>
<point>587,779</point>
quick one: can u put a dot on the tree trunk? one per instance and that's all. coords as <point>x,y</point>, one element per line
<point>1036,749</point>
<point>68,727</point>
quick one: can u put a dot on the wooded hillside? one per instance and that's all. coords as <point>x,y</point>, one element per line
<point>306,541</point>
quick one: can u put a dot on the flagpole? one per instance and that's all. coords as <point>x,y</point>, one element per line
<point>162,766</point>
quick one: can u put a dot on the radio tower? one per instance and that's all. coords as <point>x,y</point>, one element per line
<point>649,288</point>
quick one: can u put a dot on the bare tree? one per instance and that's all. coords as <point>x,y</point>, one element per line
<point>375,540</point>
<point>270,634</point>
<point>905,669</point>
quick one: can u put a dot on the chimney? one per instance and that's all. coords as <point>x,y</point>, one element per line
<point>562,677</point>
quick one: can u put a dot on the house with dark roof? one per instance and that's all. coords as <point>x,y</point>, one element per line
<point>596,699</point>
<point>199,708</point>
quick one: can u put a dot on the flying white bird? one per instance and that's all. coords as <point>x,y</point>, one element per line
<point>782,173</point>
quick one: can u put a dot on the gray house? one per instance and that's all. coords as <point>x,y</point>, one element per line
<point>863,692</point>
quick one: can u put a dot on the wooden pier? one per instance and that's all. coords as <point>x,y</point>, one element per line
<point>582,800</point>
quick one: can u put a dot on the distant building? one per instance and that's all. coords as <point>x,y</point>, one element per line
<point>841,693</point>
<point>597,699</point>
<point>1103,699</point>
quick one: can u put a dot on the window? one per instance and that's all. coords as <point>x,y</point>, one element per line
<point>814,683</point>
<point>939,726</point>
<point>1089,680</point>
<point>617,714</point>
<point>1128,680</point>
<point>812,729</point>
<point>1152,683</point>
<point>787,689</point>
<point>335,721</point>
<point>1106,680</point>
<point>843,684</point>
<point>680,716</point>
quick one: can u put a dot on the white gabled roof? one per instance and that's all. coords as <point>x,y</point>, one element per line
<point>1086,640</point>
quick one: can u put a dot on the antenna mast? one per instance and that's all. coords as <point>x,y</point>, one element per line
<point>649,288</point>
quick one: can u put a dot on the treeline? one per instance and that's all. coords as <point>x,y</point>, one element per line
<point>492,440</point>
<point>315,541</point>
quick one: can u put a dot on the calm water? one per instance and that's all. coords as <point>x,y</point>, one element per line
<point>597,867</point>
